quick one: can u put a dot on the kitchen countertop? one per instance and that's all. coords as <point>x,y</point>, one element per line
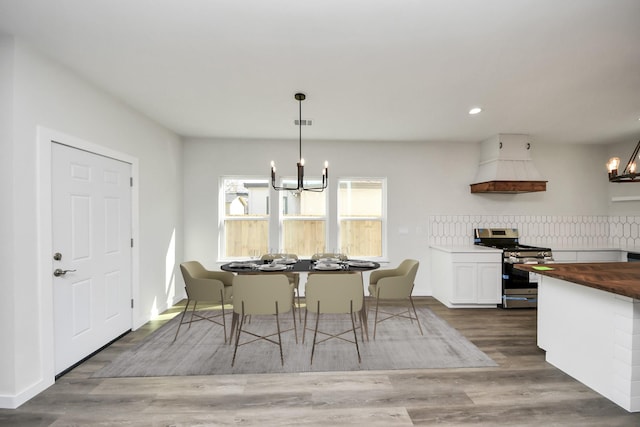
<point>583,248</point>
<point>465,249</point>
<point>634,249</point>
<point>621,278</point>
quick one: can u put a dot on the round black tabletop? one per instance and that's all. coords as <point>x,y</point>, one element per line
<point>301,266</point>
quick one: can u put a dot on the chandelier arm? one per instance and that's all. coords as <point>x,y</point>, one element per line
<point>283,188</point>
<point>319,189</point>
<point>633,156</point>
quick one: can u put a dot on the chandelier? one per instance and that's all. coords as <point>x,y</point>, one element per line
<point>300,185</point>
<point>629,173</point>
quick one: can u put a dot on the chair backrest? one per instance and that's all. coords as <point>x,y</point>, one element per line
<point>198,285</point>
<point>409,268</point>
<point>335,292</point>
<point>401,284</point>
<point>272,256</point>
<point>193,269</point>
<point>260,292</point>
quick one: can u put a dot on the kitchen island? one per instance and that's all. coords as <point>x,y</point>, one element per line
<point>589,325</point>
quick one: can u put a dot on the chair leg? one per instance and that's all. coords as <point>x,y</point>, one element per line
<point>181,319</point>
<point>362,323</point>
<point>195,303</point>
<point>235,350</point>
<point>304,327</point>
<point>234,324</point>
<point>279,335</point>
<point>415,313</point>
<point>315,334</point>
<point>364,312</point>
<point>295,327</point>
<point>355,335</point>
<point>224,321</point>
<point>375,320</point>
<point>299,306</point>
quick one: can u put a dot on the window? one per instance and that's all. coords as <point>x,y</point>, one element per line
<point>246,217</point>
<point>303,221</point>
<point>361,215</point>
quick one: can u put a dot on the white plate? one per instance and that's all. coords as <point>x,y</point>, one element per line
<point>286,261</point>
<point>271,267</point>
<point>360,263</point>
<point>321,266</point>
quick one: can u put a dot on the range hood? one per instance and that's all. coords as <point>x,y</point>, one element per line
<point>506,166</point>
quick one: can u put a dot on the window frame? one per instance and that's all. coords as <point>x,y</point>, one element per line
<point>275,216</point>
<point>223,217</point>
<point>282,217</point>
<point>383,215</point>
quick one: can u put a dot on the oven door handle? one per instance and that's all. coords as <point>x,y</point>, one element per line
<point>519,299</point>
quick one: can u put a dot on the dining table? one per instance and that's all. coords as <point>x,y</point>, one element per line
<point>310,266</point>
<point>300,266</point>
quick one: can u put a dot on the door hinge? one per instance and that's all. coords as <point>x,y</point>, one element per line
<point>131,181</point>
<point>132,242</point>
<point>131,302</point>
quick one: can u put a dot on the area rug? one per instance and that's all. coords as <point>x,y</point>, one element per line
<point>200,350</point>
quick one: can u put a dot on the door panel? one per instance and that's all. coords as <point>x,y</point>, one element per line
<point>91,204</point>
<point>80,227</point>
<point>81,305</point>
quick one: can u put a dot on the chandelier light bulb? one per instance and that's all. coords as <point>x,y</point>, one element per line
<point>613,164</point>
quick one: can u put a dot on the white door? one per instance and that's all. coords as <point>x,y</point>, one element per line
<point>91,207</point>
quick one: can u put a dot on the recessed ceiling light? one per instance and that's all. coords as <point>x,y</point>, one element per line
<point>475,110</point>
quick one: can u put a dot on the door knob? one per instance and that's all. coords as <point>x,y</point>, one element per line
<point>60,272</point>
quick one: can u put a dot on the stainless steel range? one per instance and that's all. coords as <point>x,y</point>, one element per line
<point>519,288</point>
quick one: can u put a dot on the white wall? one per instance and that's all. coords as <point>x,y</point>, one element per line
<point>424,179</point>
<point>47,94</point>
<point>7,308</point>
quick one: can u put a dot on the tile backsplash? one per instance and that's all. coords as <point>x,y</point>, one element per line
<point>569,231</point>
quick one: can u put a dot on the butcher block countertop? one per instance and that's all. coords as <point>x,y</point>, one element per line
<point>621,278</point>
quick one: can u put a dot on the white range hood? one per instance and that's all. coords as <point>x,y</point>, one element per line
<point>506,166</point>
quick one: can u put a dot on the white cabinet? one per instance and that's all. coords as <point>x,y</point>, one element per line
<point>476,283</point>
<point>467,278</point>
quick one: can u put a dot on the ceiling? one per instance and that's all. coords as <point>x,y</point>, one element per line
<point>388,70</point>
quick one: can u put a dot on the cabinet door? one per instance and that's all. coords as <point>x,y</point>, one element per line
<point>489,283</point>
<point>464,283</point>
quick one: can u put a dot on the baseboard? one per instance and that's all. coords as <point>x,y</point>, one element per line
<point>14,401</point>
<point>141,320</point>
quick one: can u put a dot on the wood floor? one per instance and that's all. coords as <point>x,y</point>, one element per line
<point>523,391</point>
